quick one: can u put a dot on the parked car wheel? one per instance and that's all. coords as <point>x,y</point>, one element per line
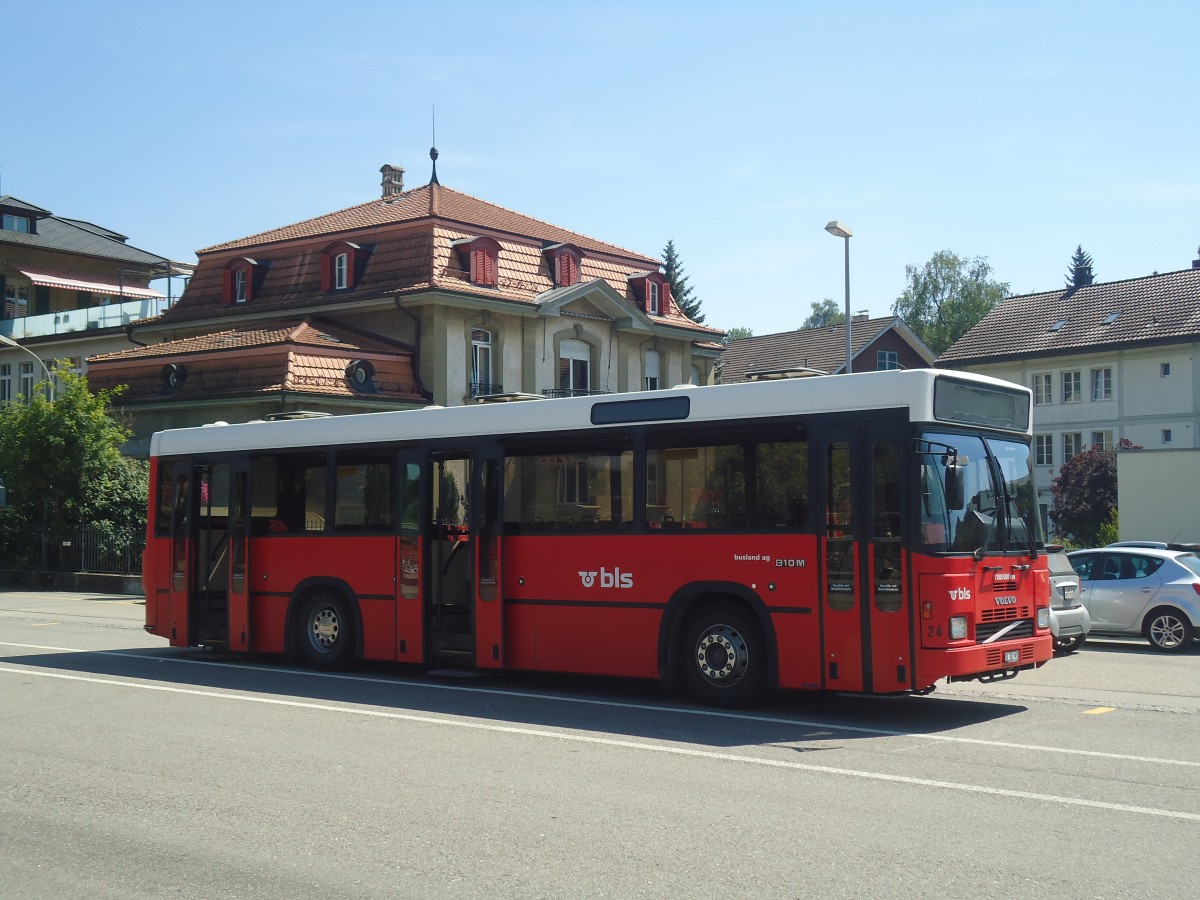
<point>1168,630</point>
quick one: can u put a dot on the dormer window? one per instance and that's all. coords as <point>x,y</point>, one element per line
<point>19,224</point>
<point>479,257</point>
<point>342,266</point>
<point>243,279</point>
<point>651,292</point>
<point>563,262</point>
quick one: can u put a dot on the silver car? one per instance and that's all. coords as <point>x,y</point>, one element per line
<point>1069,618</point>
<point>1151,592</point>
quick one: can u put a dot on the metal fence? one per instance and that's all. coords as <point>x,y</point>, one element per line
<point>93,549</point>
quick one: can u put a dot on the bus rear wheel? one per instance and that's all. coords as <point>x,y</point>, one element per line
<point>324,636</point>
<point>724,659</point>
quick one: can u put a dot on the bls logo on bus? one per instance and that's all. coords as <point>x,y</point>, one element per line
<point>614,579</point>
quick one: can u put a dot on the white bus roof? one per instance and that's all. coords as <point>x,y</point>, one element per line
<point>912,389</point>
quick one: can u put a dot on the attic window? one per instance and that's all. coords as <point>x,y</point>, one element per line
<point>651,292</point>
<point>16,223</point>
<point>563,261</point>
<point>242,280</point>
<point>1058,326</point>
<point>342,265</point>
<point>478,257</point>
<point>1111,317</point>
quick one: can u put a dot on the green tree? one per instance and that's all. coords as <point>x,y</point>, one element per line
<point>1081,274</point>
<point>826,312</point>
<point>947,297</point>
<point>738,333</point>
<point>61,459</point>
<point>1084,495</point>
<point>682,293</point>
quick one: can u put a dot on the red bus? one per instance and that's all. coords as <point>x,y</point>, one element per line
<point>870,533</point>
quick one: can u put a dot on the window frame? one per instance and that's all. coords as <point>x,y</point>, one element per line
<point>1102,383</point>
<point>1043,388</point>
<point>1072,445</point>
<point>1043,449</point>
<point>1072,386</point>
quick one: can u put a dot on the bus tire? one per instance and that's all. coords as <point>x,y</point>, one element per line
<point>723,656</point>
<point>324,632</point>
<point>1168,629</point>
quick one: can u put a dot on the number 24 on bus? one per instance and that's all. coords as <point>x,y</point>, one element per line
<point>872,533</point>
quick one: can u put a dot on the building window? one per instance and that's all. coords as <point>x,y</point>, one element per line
<point>6,394</point>
<point>887,359</point>
<point>1164,370</point>
<point>651,382</point>
<point>342,265</point>
<point>1166,435</point>
<point>481,364</point>
<point>26,384</point>
<point>243,279</point>
<point>1102,441</point>
<point>15,223</point>
<point>1072,445</point>
<point>652,305</point>
<point>1043,447</point>
<point>16,301</point>
<point>74,365</point>
<point>1072,392</point>
<point>1102,384</point>
<point>574,368</point>
<point>695,376</point>
<point>1043,389</point>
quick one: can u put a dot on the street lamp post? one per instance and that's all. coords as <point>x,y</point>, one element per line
<point>840,229</point>
<point>9,342</point>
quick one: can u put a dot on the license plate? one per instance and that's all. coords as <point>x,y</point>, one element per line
<point>1012,656</point>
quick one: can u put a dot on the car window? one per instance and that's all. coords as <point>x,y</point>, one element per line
<point>1189,561</point>
<point>1083,565</point>
<point>1140,566</point>
<point>1060,564</point>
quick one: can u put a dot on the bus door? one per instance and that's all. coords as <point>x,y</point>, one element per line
<point>182,553</point>
<point>214,571</point>
<point>486,524</point>
<point>411,468</point>
<point>865,630</point>
<point>240,499</point>
<point>448,614</point>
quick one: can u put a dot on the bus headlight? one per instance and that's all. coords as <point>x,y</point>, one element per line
<point>958,628</point>
<point>1043,617</point>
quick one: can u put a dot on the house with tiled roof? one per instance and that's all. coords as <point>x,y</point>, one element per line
<point>69,288</point>
<point>875,344</point>
<point>424,296</point>
<point>1106,361</point>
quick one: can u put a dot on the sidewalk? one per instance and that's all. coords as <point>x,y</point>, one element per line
<point>83,582</point>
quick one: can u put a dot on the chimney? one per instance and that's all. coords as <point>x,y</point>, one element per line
<point>393,181</point>
<point>1196,262</point>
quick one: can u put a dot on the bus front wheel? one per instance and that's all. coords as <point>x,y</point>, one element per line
<point>724,660</point>
<point>324,635</point>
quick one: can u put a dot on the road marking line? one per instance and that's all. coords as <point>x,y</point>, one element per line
<point>616,704</point>
<point>43,624</point>
<point>691,752</point>
<point>1099,710</point>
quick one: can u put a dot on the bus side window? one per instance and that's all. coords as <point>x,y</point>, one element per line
<point>781,484</point>
<point>363,495</point>
<point>695,487</point>
<point>166,497</point>
<point>289,493</point>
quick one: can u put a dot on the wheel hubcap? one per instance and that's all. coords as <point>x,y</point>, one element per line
<point>722,655</point>
<point>1166,632</point>
<point>324,628</point>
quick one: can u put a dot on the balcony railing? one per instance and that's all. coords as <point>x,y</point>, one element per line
<point>92,318</point>
<point>572,392</point>
<point>483,389</point>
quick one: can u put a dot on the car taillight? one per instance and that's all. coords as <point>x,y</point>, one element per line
<point>1196,586</point>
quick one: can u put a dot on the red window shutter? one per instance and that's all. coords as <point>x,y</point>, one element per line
<point>227,285</point>
<point>327,272</point>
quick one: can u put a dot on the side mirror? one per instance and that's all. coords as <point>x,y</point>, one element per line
<point>956,476</point>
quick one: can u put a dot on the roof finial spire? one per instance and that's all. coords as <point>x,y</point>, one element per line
<point>433,154</point>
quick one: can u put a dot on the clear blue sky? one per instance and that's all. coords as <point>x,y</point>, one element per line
<point>1012,130</point>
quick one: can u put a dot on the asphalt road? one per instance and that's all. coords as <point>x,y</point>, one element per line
<point>130,769</point>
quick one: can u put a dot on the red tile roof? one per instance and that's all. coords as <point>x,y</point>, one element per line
<point>433,201</point>
<point>306,357</point>
<point>1150,310</point>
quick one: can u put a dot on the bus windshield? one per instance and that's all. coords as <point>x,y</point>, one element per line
<point>998,506</point>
